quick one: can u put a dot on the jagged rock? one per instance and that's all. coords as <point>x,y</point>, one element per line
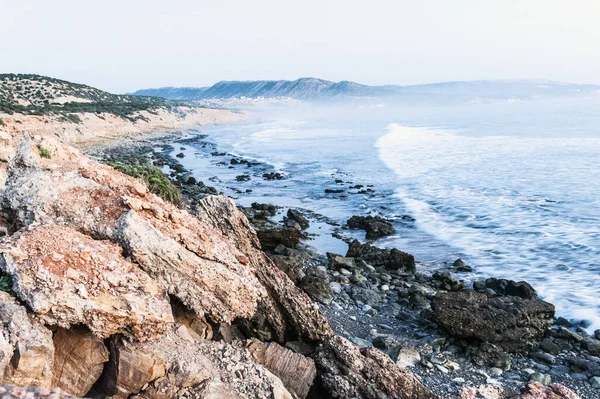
<point>535,390</point>
<point>174,366</point>
<point>205,285</point>
<point>190,258</point>
<point>391,259</point>
<point>522,289</point>
<point>348,371</point>
<point>79,360</point>
<point>197,327</point>
<point>286,236</point>
<point>488,391</point>
<point>374,226</point>
<point>298,217</point>
<point>316,284</point>
<point>286,313</point>
<point>295,371</point>
<point>8,391</point>
<point>508,321</point>
<point>26,344</point>
<point>68,278</point>
<point>491,355</point>
<point>591,345</point>
<point>337,262</point>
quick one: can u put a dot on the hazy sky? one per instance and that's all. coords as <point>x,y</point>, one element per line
<point>129,44</point>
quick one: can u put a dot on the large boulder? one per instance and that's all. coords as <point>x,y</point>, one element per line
<point>189,257</point>
<point>535,390</point>
<point>375,226</point>
<point>507,321</point>
<point>501,286</point>
<point>176,366</point>
<point>272,238</point>
<point>349,371</point>
<point>68,278</point>
<point>286,313</point>
<point>391,259</point>
<point>296,371</point>
<point>79,360</point>
<point>26,348</point>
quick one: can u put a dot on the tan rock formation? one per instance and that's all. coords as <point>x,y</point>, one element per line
<point>213,265</point>
<point>30,345</point>
<point>8,391</point>
<point>79,360</point>
<point>189,257</point>
<point>68,278</point>
<point>174,366</point>
<point>295,371</point>
<point>287,312</point>
<point>350,371</point>
<point>535,390</point>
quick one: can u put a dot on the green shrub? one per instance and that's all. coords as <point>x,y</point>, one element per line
<point>70,118</point>
<point>44,153</point>
<point>5,282</point>
<point>154,178</point>
<point>1,122</point>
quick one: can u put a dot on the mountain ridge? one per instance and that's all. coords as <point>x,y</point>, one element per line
<point>316,89</point>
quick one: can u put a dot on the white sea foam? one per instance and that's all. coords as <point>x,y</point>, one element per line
<point>513,206</point>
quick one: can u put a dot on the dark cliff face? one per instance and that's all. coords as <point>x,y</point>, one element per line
<point>316,89</point>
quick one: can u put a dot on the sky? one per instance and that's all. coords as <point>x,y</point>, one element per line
<point>125,45</point>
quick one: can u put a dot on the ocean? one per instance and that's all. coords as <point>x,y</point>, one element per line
<point>512,188</point>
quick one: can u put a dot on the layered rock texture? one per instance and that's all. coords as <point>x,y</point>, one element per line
<point>118,293</point>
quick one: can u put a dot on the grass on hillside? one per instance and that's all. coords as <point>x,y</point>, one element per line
<point>44,153</point>
<point>154,178</point>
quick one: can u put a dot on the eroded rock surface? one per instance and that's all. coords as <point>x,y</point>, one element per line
<point>507,321</point>
<point>286,313</point>
<point>26,344</point>
<point>350,371</point>
<point>79,360</point>
<point>68,278</point>
<point>535,390</point>
<point>297,372</point>
<point>189,257</point>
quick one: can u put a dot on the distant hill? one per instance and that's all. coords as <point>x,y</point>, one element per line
<point>319,89</point>
<point>41,95</point>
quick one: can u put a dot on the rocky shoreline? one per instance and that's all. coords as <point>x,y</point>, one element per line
<point>111,291</point>
<point>490,338</point>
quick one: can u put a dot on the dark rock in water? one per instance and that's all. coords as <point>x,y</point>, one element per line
<point>271,238</point>
<point>491,355</point>
<point>269,208</point>
<point>191,180</point>
<point>444,281</point>
<point>597,334</point>
<point>391,259</point>
<point>374,226</point>
<point>333,191</point>
<point>591,345</point>
<point>273,176</point>
<point>521,289</point>
<point>180,155</point>
<point>561,321</point>
<point>458,263</point>
<point>242,178</point>
<point>298,217</point>
<point>316,284</point>
<point>507,321</point>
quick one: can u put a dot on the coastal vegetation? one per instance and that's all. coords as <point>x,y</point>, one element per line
<point>44,153</point>
<point>40,95</point>
<point>154,178</point>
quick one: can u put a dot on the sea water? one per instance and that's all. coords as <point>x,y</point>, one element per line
<point>512,188</point>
